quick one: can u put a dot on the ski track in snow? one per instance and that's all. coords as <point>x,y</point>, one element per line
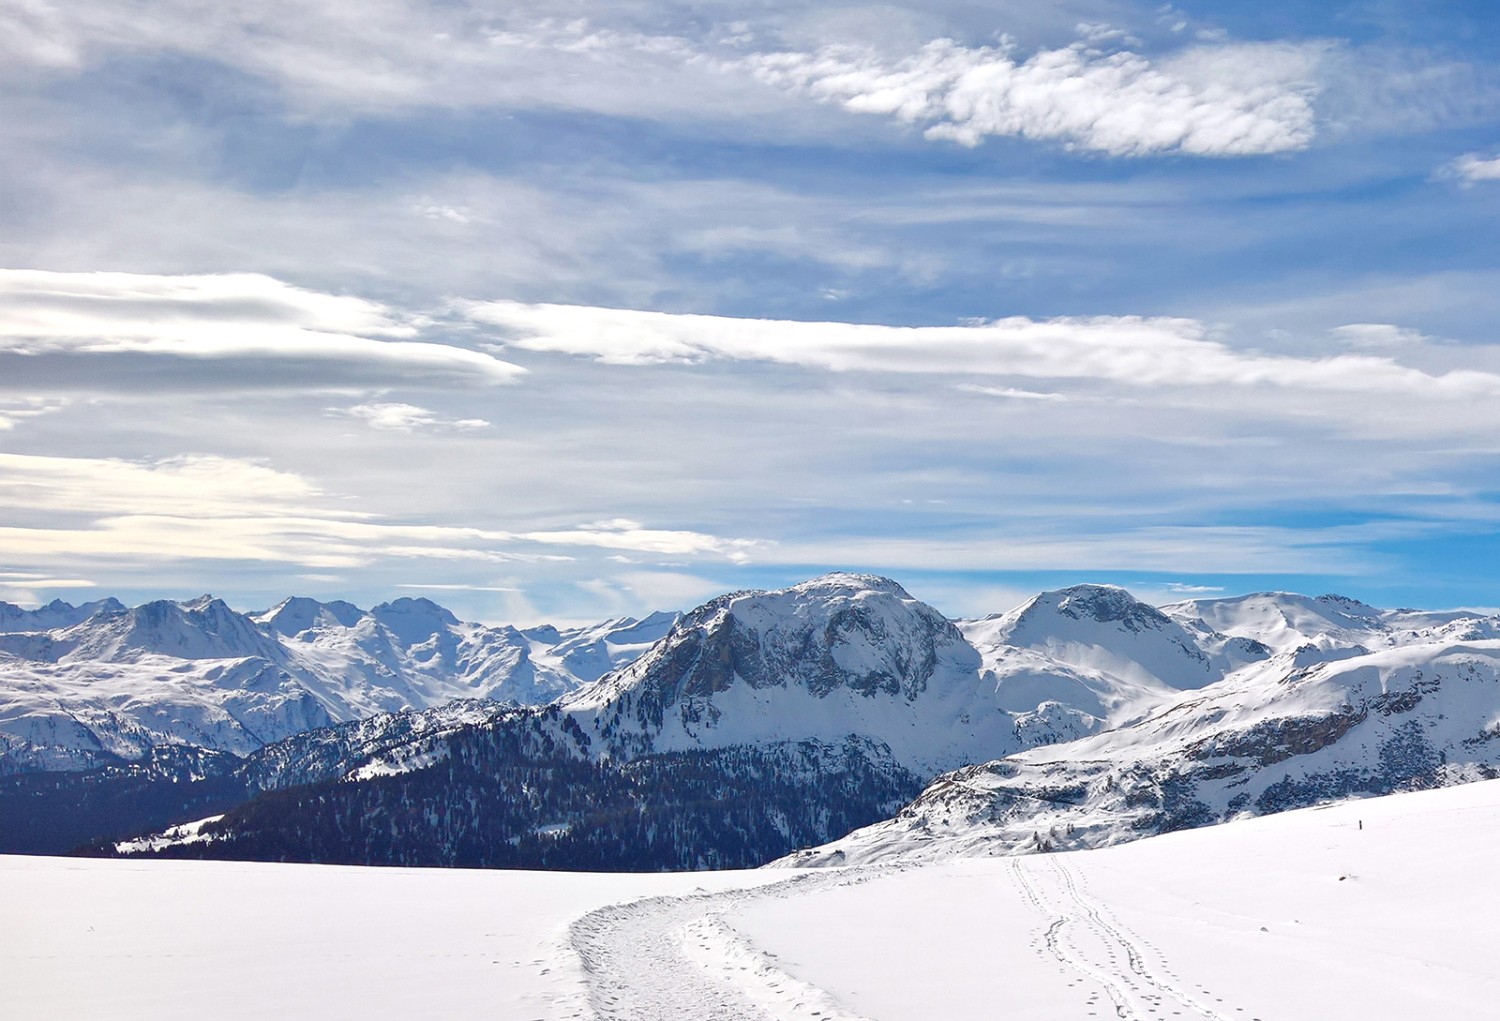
<point>1136,980</point>
<point>671,958</point>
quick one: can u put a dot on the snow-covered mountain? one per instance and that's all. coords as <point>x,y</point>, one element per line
<point>1285,620</point>
<point>1101,651</point>
<point>851,654</point>
<point>1324,718</point>
<point>760,720</point>
<point>56,614</point>
<point>1093,717</point>
<point>87,686</point>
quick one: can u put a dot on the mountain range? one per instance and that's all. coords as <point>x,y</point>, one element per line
<point>102,684</point>
<point>749,727</point>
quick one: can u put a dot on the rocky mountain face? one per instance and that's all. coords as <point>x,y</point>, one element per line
<point>1355,701</point>
<point>103,684</point>
<point>840,655</point>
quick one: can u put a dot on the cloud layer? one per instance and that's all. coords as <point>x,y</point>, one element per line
<point>238,316</point>
<point>206,507</point>
<point>1211,100</point>
<point>1128,351</point>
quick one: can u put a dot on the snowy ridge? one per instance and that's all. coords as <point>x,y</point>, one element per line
<point>1099,650</point>
<point>56,614</point>
<point>88,686</point>
<point>856,654</point>
<point>1285,620</point>
<point>1293,731</point>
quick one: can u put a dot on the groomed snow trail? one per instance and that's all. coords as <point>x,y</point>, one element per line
<point>676,959</point>
<point>1083,936</point>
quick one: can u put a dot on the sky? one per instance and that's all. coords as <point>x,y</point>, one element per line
<point>563,311</point>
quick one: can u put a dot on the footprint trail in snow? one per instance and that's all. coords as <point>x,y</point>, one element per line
<point>1083,936</point>
<point>678,959</point>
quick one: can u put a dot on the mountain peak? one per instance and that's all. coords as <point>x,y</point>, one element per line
<point>414,620</point>
<point>838,654</point>
<point>297,614</point>
<point>852,581</point>
<point>1106,604</point>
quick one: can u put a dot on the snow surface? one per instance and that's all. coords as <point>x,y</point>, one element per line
<point>1377,909</point>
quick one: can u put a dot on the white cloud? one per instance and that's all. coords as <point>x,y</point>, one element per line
<point>407,418</point>
<point>1011,392</point>
<point>193,485</point>
<point>1228,100</point>
<point>1472,168</point>
<point>1217,100</point>
<point>1129,351</point>
<point>434,587</point>
<point>15,411</point>
<point>1204,549</point>
<point>216,509</point>
<point>1378,336</point>
<point>624,534</point>
<point>380,57</point>
<point>220,316</point>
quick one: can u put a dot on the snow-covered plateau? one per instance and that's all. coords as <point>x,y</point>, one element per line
<point>1381,909</point>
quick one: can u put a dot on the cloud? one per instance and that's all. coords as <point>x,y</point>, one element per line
<point>217,509</point>
<point>1225,100</point>
<point>1472,168</point>
<point>380,58</point>
<point>1218,99</point>
<point>1202,549</point>
<point>1378,336</point>
<point>194,485</point>
<point>434,587</point>
<point>15,411</point>
<point>624,534</point>
<point>1011,392</point>
<point>407,418</point>
<point>1127,351</point>
<point>240,317</point>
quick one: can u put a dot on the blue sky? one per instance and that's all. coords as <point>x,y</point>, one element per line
<point>556,312</point>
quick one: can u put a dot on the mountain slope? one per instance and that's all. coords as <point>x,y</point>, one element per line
<point>839,655</point>
<point>1274,736</point>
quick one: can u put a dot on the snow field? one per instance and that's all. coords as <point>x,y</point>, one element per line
<point>1380,910</point>
<point>1387,908</point>
<point>229,940</point>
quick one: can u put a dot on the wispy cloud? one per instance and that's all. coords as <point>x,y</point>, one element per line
<point>1127,351</point>
<point>326,55</point>
<point>397,417</point>
<point>1217,99</point>
<point>1471,168</point>
<point>217,509</point>
<point>233,316</point>
<point>13,412</point>
<point>1010,392</point>
<point>1226,100</point>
